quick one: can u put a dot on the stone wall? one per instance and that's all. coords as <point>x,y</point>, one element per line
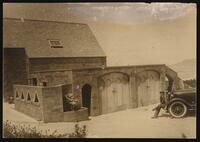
<point>53,78</point>
<point>49,105</point>
<point>52,103</point>
<point>43,64</point>
<point>91,77</point>
<point>31,106</point>
<point>18,68</point>
<point>14,69</point>
<point>74,116</point>
<point>53,106</point>
<point>80,78</point>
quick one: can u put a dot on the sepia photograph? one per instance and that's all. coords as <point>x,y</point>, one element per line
<point>99,70</point>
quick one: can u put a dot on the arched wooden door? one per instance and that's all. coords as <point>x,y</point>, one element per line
<point>86,96</point>
<point>114,92</point>
<point>148,88</point>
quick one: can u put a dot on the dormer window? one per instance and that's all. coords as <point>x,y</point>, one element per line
<point>54,43</point>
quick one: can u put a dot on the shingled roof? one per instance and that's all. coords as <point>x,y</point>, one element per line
<point>33,35</point>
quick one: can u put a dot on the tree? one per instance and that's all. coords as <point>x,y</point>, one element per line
<point>191,82</point>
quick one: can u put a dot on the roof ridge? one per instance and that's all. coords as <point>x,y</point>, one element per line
<point>26,19</point>
<point>131,66</point>
<point>135,65</point>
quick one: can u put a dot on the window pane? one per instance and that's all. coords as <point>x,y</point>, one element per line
<point>55,44</point>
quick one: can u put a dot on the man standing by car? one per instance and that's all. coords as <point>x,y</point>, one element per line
<point>161,105</point>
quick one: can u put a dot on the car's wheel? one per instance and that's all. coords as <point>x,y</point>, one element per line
<point>178,109</point>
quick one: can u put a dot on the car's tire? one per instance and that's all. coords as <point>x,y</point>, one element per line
<point>178,109</point>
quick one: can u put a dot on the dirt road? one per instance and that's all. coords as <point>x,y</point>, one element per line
<point>131,123</point>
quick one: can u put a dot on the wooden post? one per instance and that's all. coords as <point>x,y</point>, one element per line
<point>162,81</point>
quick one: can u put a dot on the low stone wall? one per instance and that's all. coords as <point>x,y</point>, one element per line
<point>53,117</point>
<point>28,99</point>
<point>69,116</point>
<point>79,115</point>
<point>45,104</point>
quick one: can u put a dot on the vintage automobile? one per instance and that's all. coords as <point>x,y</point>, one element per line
<point>180,102</point>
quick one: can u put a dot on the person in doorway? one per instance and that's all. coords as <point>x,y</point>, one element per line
<point>161,105</point>
<point>73,102</point>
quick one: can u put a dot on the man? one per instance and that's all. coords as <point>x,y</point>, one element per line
<point>72,101</point>
<point>161,105</point>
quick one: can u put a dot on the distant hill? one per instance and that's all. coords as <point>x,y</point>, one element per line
<point>185,69</point>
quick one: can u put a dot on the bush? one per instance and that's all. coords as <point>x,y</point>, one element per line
<point>22,131</point>
<point>80,132</point>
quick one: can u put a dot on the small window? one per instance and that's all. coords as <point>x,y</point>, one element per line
<point>17,95</point>
<point>22,96</point>
<point>44,83</point>
<point>28,97</point>
<point>34,81</point>
<point>36,98</point>
<point>55,44</point>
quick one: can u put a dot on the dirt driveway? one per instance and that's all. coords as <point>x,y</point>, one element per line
<point>130,123</point>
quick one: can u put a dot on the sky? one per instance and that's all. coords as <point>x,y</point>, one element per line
<point>129,33</point>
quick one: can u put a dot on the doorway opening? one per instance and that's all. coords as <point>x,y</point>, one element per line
<point>86,96</point>
<point>34,81</point>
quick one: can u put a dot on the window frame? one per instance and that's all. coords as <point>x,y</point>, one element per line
<point>55,45</point>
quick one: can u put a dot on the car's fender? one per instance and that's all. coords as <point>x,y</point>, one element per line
<point>178,99</point>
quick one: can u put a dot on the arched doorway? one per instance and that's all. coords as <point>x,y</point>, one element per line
<point>148,83</point>
<point>86,96</point>
<point>114,92</point>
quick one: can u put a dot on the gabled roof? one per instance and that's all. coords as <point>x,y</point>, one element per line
<point>33,35</point>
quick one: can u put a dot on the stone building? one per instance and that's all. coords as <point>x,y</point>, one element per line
<point>117,88</point>
<point>42,55</point>
<point>33,45</point>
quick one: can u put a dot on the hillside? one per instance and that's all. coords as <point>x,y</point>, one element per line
<point>186,69</point>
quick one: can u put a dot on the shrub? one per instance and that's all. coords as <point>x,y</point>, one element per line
<point>22,131</point>
<point>80,132</point>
